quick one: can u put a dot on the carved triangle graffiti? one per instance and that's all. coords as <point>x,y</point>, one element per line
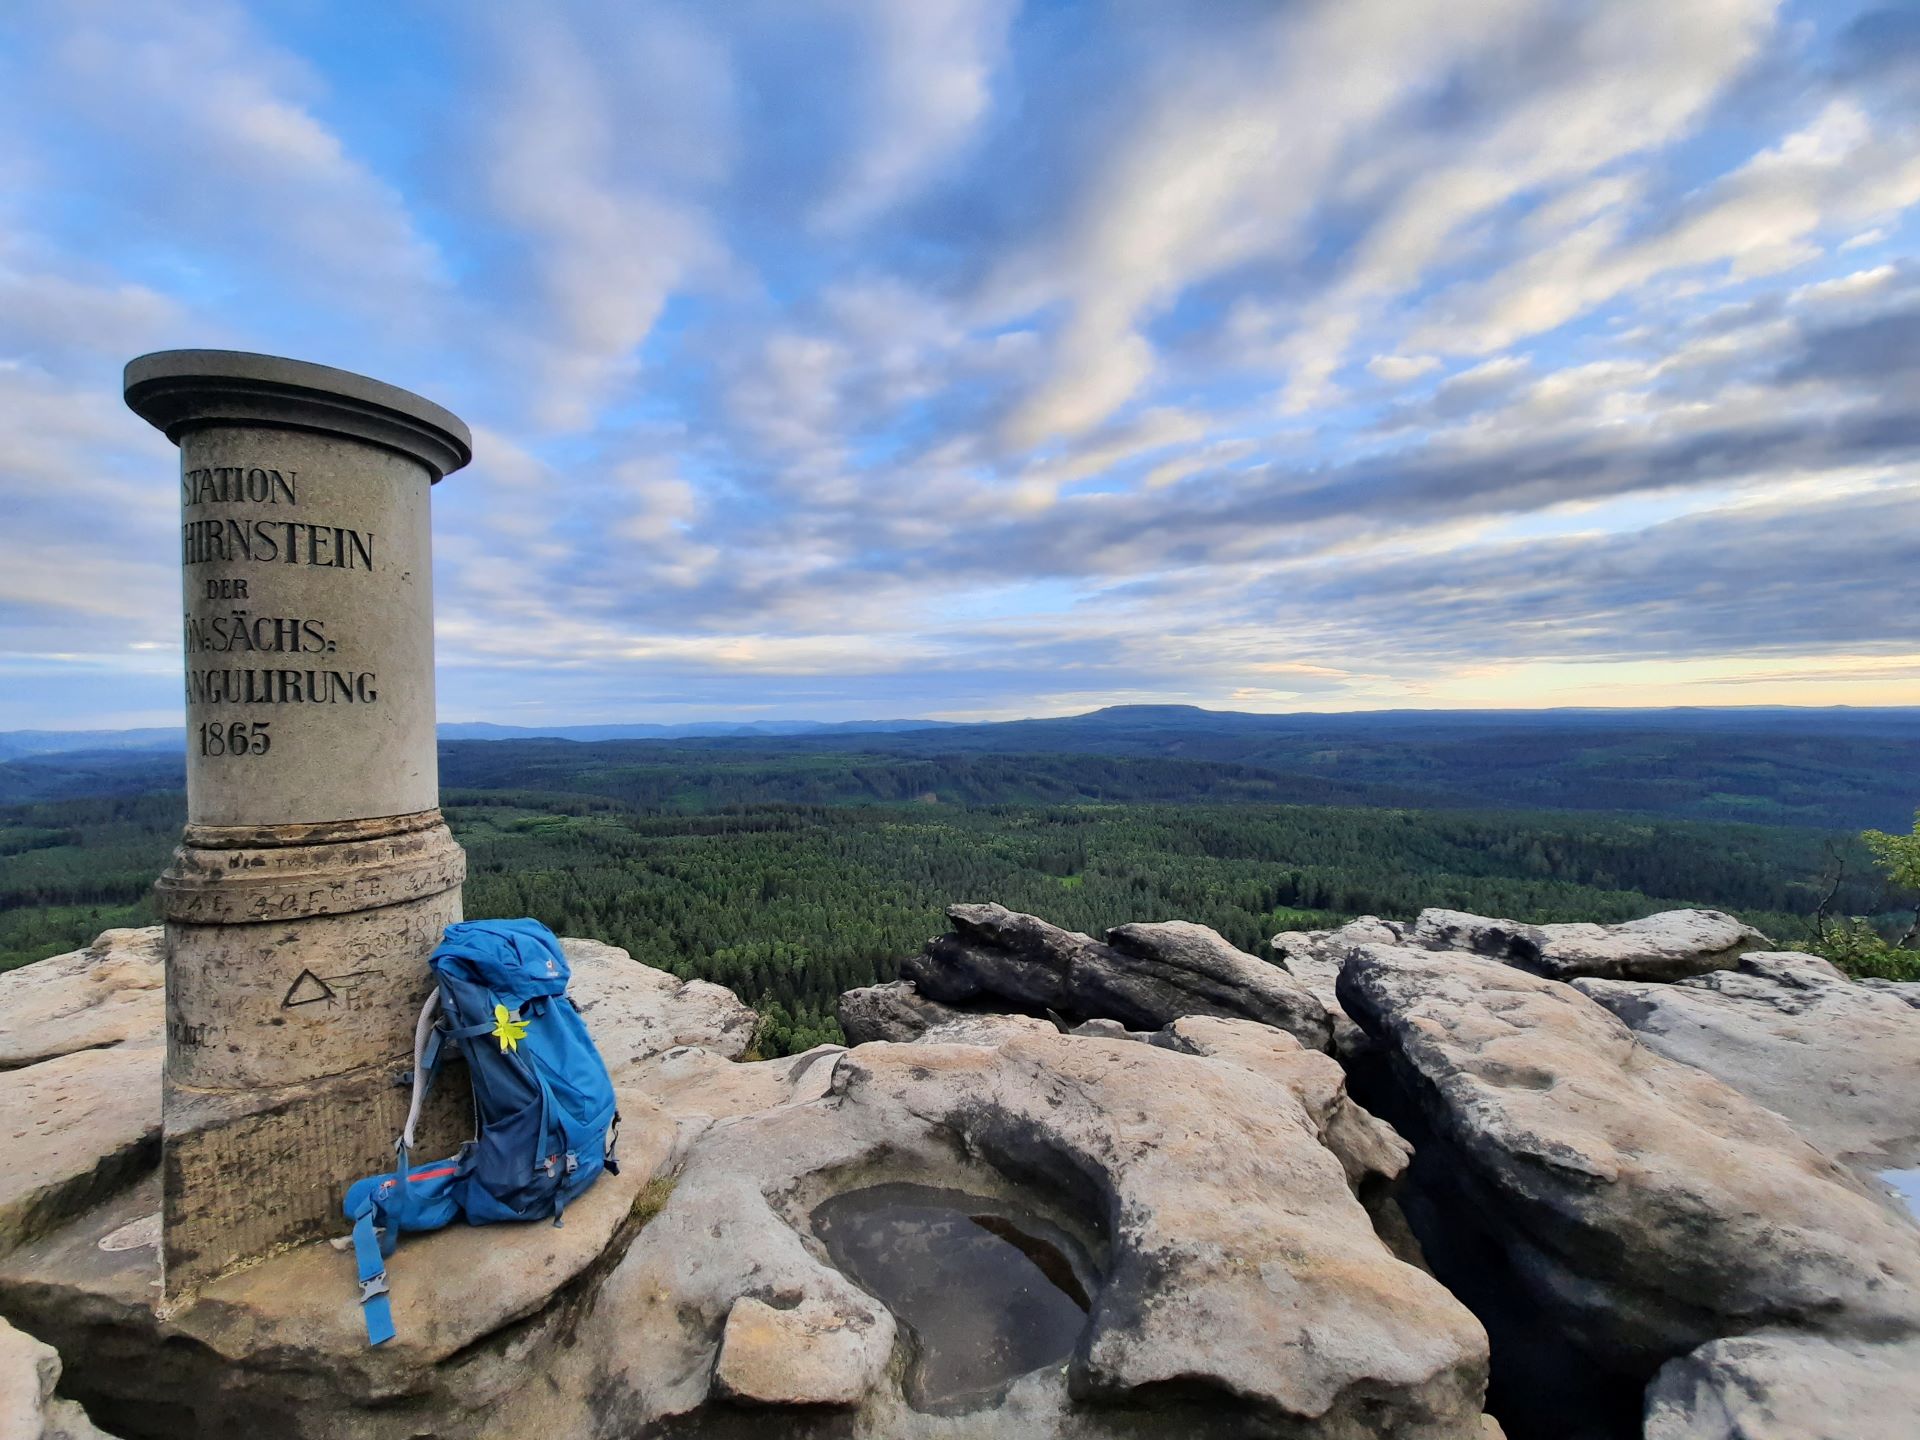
<point>307,989</point>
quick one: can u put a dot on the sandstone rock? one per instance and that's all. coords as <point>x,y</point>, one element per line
<point>1649,1206</point>
<point>1840,1060</point>
<point>1786,1386</point>
<point>1671,945</point>
<point>696,1085</point>
<point>28,1408</point>
<point>987,1029</point>
<point>1905,991</point>
<point>1369,1150</point>
<point>812,1353</point>
<point>1149,976</point>
<point>110,993</point>
<point>1258,989</point>
<point>1110,1030</point>
<point>1236,1270</point>
<point>896,1011</point>
<point>719,1242</point>
<point>1314,958</point>
<point>634,1011</point>
<point>1787,966</point>
<point>279,1348</point>
<point>80,1061</point>
<point>77,1129</point>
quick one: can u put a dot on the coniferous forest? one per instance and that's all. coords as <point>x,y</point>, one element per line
<point>790,877</point>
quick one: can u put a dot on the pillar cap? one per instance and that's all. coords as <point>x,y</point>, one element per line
<point>176,391</point>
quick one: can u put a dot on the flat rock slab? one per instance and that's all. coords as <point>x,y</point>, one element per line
<point>813,1353</point>
<point>77,1128</point>
<point>1786,1386</point>
<point>111,993</point>
<point>1840,1060</point>
<point>696,1087</point>
<point>1145,976</point>
<point>895,1011</point>
<point>82,1050</point>
<point>1370,1151</point>
<point>1645,1202</point>
<point>634,1011</point>
<point>1671,945</point>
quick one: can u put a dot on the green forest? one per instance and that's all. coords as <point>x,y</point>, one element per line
<point>714,873</point>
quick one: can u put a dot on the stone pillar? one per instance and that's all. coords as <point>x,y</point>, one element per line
<point>315,872</point>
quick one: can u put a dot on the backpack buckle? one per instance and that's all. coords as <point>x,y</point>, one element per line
<point>370,1288</point>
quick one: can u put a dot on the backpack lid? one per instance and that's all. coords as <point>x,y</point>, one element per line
<point>517,959</point>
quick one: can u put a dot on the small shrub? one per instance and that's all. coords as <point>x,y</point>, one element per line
<point>1864,953</point>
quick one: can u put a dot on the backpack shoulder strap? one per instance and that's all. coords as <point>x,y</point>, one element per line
<point>426,1060</point>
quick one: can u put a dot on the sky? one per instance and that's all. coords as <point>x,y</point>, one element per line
<point>973,358</point>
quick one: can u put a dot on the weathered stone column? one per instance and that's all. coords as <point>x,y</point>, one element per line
<point>315,872</point>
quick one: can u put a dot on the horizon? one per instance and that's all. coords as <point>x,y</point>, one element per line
<point>937,721</point>
<point>984,360</point>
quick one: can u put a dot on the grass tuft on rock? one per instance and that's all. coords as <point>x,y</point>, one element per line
<point>653,1198</point>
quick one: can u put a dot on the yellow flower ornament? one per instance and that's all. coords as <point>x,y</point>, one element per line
<point>508,1028</point>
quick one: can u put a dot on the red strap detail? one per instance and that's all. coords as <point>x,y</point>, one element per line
<point>433,1174</point>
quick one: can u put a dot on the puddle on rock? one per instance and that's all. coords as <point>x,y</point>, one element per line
<point>989,1290</point>
<point>1905,1185</point>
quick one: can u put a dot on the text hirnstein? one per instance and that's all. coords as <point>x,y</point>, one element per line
<point>293,542</point>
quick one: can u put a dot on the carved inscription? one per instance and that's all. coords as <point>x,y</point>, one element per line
<point>232,483</point>
<point>245,635</point>
<point>307,989</point>
<point>330,990</point>
<point>243,630</point>
<point>266,542</point>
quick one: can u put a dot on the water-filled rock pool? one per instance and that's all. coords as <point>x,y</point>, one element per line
<point>989,1289</point>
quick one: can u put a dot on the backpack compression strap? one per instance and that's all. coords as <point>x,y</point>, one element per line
<point>370,1249</point>
<point>374,1306</point>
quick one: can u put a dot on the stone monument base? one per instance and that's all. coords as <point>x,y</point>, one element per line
<point>252,1172</point>
<point>294,952</point>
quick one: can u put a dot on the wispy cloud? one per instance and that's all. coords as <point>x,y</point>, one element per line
<point>982,357</point>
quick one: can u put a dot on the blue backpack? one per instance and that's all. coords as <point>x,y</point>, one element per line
<point>544,1118</point>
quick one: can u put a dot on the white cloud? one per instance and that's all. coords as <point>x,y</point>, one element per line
<point>857,354</point>
<point>1631,76</point>
<point>1845,287</point>
<point>1762,218</point>
<point>214,135</point>
<point>1399,368</point>
<point>585,161</point>
<point>45,315</point>
<point>928,78</point>
<point>1231,152</point>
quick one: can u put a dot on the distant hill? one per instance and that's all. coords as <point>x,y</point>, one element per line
<point>707,729</point>
<point>1837,768</point>
<point>17,743</point>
